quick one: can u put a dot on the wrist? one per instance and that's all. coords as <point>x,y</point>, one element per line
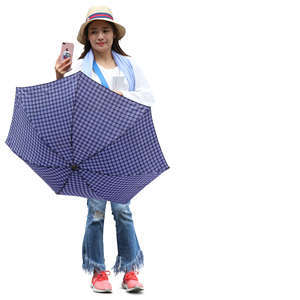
<point>59,76</point>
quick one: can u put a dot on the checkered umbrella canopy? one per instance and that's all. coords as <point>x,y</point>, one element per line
<point>85,140</point>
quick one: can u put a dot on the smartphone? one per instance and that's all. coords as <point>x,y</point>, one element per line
<point>66,51</point>
<point>118,83</point>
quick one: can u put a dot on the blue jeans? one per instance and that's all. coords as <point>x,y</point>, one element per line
<point>130,257</point>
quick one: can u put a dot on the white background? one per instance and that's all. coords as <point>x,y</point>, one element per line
<point>223,221</point>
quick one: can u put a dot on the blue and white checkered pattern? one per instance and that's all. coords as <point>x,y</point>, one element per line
<point>85,140</point>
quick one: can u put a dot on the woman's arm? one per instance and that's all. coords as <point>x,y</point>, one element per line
<point>142,93</point>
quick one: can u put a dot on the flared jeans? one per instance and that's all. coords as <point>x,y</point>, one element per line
<point>130,256</point>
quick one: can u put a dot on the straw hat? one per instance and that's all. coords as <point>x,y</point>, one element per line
<point>99,13</point>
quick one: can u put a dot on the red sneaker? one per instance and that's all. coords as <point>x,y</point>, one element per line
<point>100,283</point>
<point>131,282</point>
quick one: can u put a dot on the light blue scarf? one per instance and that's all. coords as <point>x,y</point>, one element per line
<point>122,62</point>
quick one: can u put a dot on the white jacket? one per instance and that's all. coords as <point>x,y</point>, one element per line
<point>142,93</point>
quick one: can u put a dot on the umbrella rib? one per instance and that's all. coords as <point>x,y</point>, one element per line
<point>38,133</point>
<point>64,184</point>
<point>73,116</point>
<point>119,175</point>
<point>84,179</point>
<point>36,165</point>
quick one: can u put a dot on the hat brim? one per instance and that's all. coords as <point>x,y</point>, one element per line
<point>81,38</point>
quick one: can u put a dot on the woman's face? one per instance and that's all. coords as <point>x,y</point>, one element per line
<point>101,35</point>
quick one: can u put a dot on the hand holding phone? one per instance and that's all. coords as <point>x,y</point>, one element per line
<point>64,61</point>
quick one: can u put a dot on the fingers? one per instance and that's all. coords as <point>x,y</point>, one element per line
<point>118,92</point>
<point>66,65</point>
<point>65,62</point>
<point>62,67</point>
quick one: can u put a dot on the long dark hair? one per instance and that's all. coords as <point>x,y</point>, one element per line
<point>115,46</point>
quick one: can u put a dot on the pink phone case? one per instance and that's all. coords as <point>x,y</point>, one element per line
<point>67,50</point>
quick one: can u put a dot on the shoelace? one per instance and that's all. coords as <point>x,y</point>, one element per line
<point>131,275</point>
<point>101,276</point>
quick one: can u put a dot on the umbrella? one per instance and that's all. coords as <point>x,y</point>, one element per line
<point>85,140</point>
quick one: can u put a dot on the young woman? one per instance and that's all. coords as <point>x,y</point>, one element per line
<point>105,62</point>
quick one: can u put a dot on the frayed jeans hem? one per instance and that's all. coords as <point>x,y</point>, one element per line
<point>89,265</point>
<point>134,265</point>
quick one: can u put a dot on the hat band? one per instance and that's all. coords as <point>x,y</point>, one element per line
<point>100,16</point>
